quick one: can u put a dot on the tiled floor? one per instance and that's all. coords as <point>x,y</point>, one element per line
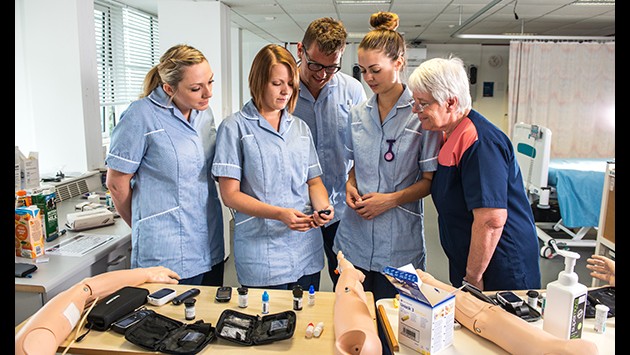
<point>437,264</point>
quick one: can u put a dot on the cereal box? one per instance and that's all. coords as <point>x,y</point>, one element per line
<point>29,236</point>
<point>426,315</point>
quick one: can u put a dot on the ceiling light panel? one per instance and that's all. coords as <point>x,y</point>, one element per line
<point>363,2</point>
<point>594,2</point>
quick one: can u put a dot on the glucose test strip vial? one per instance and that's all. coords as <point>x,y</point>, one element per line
<point>532,298</point>
<point>297,297</point>
<point>242,296</point>
<point>190,308</point>
<point>601,314</point>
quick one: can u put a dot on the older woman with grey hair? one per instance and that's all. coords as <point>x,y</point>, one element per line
<point>486,223</point>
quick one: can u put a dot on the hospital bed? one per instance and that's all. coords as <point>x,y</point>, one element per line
<point>576,185</point>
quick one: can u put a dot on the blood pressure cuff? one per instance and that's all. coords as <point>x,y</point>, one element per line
<point>247,329</point>
<point>116,305</point>
<point>157,332</point>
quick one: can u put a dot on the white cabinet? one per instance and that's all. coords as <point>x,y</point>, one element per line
<point>31,297</point>
<point>605,244</point>
<point>61,272</point>
<point>118,259</point>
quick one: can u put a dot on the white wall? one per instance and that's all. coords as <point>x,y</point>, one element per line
<point>207,27</point>
<point>250,47</point>
<point>493,108</point>
<point>56,92</point>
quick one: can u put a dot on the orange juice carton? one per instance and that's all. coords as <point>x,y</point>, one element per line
<point>426,314</point>
<point>29,235</point>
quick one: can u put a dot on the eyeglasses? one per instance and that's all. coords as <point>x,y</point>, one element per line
<point>420,107</point>
<point>314,66</point>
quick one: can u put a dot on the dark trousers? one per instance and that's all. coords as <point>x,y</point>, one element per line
<point>378,285</point>
<point>381,288</point>
<point>328,233</point>
<point>214,277</point>
<point>305,281</point>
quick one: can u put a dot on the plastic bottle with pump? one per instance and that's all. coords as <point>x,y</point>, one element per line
<point>565,306</point>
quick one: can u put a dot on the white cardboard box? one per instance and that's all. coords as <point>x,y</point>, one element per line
<point>18,176</point>
<point>99,217</point>
<point>426,315</point>
<point>29,169</point>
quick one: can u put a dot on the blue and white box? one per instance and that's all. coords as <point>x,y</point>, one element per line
<point>426,315</point>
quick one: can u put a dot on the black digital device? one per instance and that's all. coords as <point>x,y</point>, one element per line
<point>186,295</point>
<point>477,292</point>
<point>121,325</point>
<point>224,294</point>
<point>321,212</point>
<point>509,297</point>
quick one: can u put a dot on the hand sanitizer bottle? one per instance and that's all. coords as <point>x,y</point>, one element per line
<point>565,306</point>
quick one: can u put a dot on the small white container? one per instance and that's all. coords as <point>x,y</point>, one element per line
<point>94,198</point>
<point>532,298</point>
<point>601,314</point>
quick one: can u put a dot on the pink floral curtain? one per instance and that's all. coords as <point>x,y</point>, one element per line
<point>568,87</point>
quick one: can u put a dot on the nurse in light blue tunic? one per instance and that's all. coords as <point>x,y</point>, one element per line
<point>159,171</point>
<point>394,160</point>
<point>269,173</point>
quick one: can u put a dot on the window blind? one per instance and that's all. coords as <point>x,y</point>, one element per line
<point>127,47</point>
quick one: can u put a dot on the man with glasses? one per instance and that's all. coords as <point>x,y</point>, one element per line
<point>326,96</point>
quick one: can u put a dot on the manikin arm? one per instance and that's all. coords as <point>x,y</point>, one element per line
<point>52,323</point>
<point>355,331</point>
<point>511,333</point>
<point>602,268</point>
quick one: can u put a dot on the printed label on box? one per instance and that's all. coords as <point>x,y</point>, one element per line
<point>426,314</point>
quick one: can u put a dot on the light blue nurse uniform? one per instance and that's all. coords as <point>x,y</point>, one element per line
<point>177,221</point>
<point>273,167</point>
<point>327,117</point>
<point>395,237</point>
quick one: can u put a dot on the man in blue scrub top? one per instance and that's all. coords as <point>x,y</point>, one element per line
<point>486,223</point>
<point>326,96</point>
